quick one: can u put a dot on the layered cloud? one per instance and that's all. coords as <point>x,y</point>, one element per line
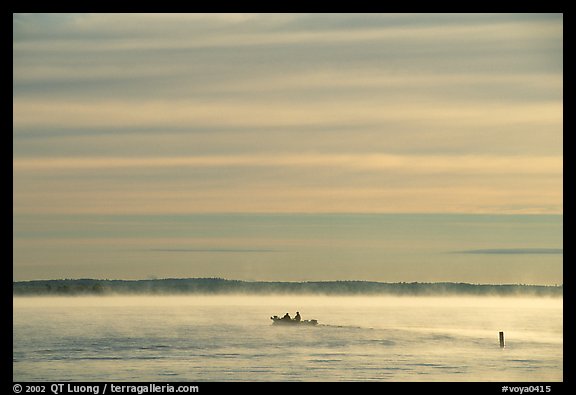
<point>515,251</point>
<point>287,113</point>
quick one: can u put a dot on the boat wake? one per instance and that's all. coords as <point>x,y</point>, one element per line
<point>343,326</point>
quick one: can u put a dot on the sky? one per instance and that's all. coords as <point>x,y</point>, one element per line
<point>125,126</point>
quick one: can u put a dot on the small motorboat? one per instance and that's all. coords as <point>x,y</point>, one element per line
<point>283,321</point>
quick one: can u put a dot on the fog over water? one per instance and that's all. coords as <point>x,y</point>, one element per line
<point>230,338</point>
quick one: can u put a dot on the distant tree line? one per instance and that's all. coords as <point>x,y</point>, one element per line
<point>216,286</point>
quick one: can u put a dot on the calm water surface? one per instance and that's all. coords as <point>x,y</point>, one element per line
<point>230,338</point>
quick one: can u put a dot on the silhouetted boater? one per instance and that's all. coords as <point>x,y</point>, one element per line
<point>297,318</point>
<point>286,317</point>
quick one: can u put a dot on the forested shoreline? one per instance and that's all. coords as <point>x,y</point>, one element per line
<point>216,286</point>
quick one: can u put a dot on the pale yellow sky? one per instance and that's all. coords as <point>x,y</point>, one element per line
<point>182,114</point>
<point>476,184</point>
<point>353,113</point>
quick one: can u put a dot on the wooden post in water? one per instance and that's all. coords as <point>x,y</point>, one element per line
<point>501,339</point>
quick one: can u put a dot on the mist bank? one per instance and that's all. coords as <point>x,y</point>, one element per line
<point>218,286</point>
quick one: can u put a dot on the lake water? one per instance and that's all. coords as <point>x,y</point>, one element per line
<point>230,338</point>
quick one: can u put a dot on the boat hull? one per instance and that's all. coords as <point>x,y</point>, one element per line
<point>283,322</point>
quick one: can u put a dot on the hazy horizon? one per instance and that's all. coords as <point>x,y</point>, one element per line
<point>289,247</point>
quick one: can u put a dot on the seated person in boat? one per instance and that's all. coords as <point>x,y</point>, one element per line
<point>297,317</point>
<point>286,317</point>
